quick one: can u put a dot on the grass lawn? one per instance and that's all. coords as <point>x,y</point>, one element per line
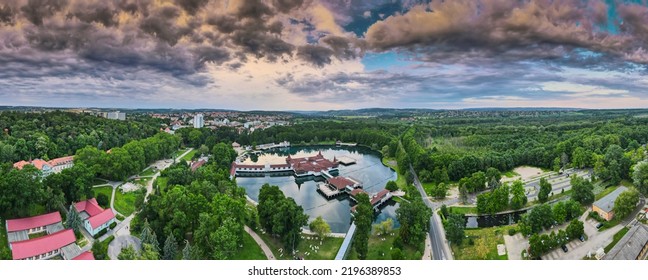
<point>327,250</point>
<point>605,192</point>
<point>381,249</point>
<point>5,253</point>
<point>485,244</point>
<point>250,250</point>
<point>617,237</point>
<point>107,190</point>
<point>148,171</point>
<point>97,181</point>
<point>162,183</point>
<point>125,202</point>
<point>179,152</point>
<point>400,179</point>
<point>189,155</point>
<point>510,174</point>
<point>462,210</point>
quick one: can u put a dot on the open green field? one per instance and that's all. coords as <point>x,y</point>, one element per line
<point>148,171</point>
<point>178,153</point>
<point>485,244</point>
<point>617,237</point>
<point>250,250</point>
<point>190,155</point>
<point>104,190</point>
<point>462,210</point>
<point>327,250</point>
<point>125,202</point>
<point>162,183</point>
<point>380,249</point>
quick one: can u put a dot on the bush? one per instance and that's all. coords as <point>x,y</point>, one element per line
<point>511,232</point>
<point>112,226</point>
<point>103,200</point>
<point>100,233</point>
<point>471,242</point>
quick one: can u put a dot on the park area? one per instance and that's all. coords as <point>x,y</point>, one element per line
<point>381,248</point>
<point>309,248</point>
<point>481,244</point>
<point>124,202</point>
<point>249,250</point>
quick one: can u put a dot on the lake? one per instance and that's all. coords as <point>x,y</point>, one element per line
<point>368,169</point>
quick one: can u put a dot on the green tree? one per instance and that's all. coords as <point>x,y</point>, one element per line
<point>363,218</point>
<point>186,251</point>
<point>545,190</point>
<point>414,218</point>
<point>391,186</point>
<point>170,248</point>
<point>640,176</point>
<point>575,229</point>
<point>128,253</point>
<point>397,254</point>
<point>582,190</point>
<point>518,199</point>
<point>73,220</point>
<point>625,203</point>
<point>454,228</point>
<point>439,191</point>
<point>320,227</point>
<point>384,227</point>
<point>149,253</point>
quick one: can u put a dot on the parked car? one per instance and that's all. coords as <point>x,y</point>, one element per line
<point>582,238</point>
<point>599,225</point>
<point>564,248</point>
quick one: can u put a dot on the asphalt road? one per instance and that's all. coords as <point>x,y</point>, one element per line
<point>436,235</point>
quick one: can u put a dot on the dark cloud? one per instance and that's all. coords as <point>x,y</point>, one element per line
<point>191,6</point>
<point>316,55</point>
<point>224,23</point>
<point>254,9</point>
<point>101,14</point>
<point>7,14</point>
<point>36,10</point>
<point>285,6</point>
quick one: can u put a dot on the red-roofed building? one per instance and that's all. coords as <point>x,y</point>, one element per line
<point>197,164</point>
<point>44,247</point>
<point>94,217</point>
<point>343,183</point>
<point>33,224</point>
<point>48,167</point>
<point>85,256</point>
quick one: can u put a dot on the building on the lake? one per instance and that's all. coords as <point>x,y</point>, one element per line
<point>93,216</point>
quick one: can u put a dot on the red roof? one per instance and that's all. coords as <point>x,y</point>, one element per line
<point>33,222</point>
<point>378,196</point>
<point>90,206</point>
<point>20,164</point>
<point>101,218</point>
<point>85,256</point>
<point>357,191</point>
<point>279,165</point>
<point>61,160</point>
<point>197,165</point>
<point>41,245</point>
<point>38,163</point>
<point>340,182</point>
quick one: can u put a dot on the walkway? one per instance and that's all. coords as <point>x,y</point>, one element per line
<point>262,244</point>
<point>346,244</point>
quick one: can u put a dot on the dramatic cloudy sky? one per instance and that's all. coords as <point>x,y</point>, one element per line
<point>324,54</point>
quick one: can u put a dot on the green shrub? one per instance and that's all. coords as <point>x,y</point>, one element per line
<point>100,233</point>
<point>511,232</point>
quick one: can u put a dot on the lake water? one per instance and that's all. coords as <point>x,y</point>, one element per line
<point>368,169</point>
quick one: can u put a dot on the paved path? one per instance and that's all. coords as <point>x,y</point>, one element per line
<point>427,254</point>
<point>262,244</point>
<point>115,247</point>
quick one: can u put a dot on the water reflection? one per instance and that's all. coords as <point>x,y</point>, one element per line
<point>368,169</point>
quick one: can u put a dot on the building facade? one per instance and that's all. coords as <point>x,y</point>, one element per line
<point>198,121</point>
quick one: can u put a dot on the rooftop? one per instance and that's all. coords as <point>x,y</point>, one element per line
<point>607,202</point>
<point>90,206</point>
<point>42,245</point>
<point>630,246</point>
<point>340,182</point>
<point>101,218</point>
<point>85,256</point>
<point>33,222</point>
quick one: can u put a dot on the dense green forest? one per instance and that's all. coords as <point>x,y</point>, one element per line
<point>609,143</point>
<point>48,135</point>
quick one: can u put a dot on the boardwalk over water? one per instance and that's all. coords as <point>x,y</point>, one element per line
<point>346,244</point>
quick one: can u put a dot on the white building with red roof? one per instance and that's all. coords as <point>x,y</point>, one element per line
<point>85,256</point>
<point>94,217</point>
<point>43,247</point>
<point>48,167</point>
<point>20,229</point>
